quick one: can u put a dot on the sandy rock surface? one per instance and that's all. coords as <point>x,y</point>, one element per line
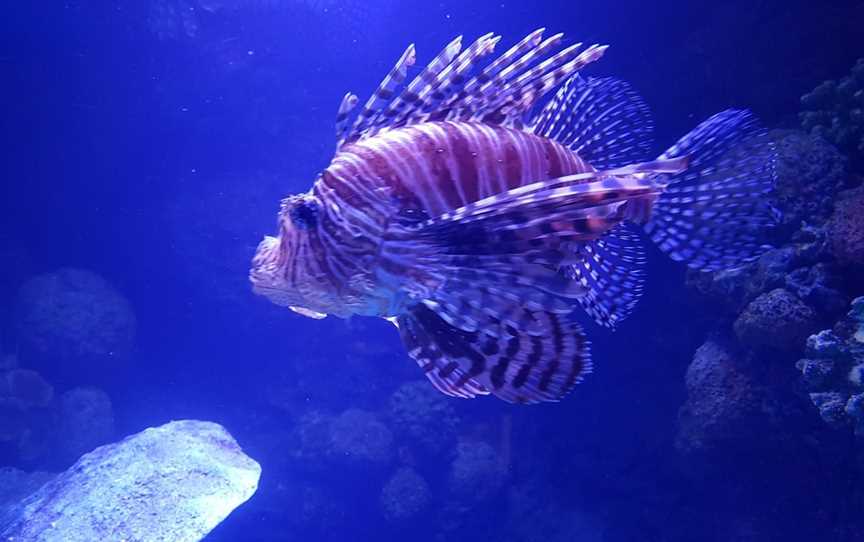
<point>171,483</point>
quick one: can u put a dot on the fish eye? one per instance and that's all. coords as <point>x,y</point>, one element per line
<point>304,214</point>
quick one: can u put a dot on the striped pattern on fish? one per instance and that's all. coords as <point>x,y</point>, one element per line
<point>479,229</point>
<point>441,166</point>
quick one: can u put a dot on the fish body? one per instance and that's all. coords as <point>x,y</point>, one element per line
<point>426,169</point>
<point>479,224</point>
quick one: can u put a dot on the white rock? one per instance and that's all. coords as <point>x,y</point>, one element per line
<point>170,483</point>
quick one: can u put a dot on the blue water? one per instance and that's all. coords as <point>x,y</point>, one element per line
<point>151,141</point>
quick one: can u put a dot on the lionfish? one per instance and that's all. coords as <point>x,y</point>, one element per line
<point>478,212</point>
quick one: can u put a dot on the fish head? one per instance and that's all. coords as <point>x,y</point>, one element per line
<point>284,269</point>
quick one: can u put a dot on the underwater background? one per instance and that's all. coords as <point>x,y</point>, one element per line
<point>147,144</point>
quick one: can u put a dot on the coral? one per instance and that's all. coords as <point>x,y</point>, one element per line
<point>722,399</point>
<point>833,370</point>
<point>477,472</point>
<point>361,438</point>
<point>835,110</point>
<point>355,439</point>
<point>800,266</point>
<point>311,440</point>
<point>405,495</point>
<point>777,319</point>
<point>73,315</point>
<point>846,228</point>
<point>27,417</point>
<point>530,511</point>
<point>86,420</point>
<point>809,172</point>
<point>37,426</point>
<point>855,410</point>
<point>820,287</point>
<point>424,417</point>
<point>25,388</point>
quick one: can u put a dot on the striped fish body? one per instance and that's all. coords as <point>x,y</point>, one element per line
<point>422,170</point>
<point>479,225</point>
<point>437,167</point>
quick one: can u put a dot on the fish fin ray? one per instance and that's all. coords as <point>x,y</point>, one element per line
<point>714,214</point>
<point>443,352</point>
<point>611,269</point>
<point>513,365</point>
<point>453,87</point>
<point>602,119</point>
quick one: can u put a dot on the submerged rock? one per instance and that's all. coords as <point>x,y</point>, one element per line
<point>16,485</point>
<point>175,482</point>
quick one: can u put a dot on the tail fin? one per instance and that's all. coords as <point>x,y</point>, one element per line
<point>713,214</point>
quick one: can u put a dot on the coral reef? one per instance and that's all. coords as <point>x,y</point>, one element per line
<point>361,438</point>
<point>38,426</point>
<point>354,439</point>
<point>26,415</point>
<point>835,110</point>
<point>833,370</point>
<point>726,403</point>
<point>777,319</point>
<point>174,482</point>
<point>846,228</point>
<point>25,389</point>
<point>477,472</point>
<point>739,386</point>
<point>424,417</point>
<point>73,323</point>
<point>809,173</point>
<point>85,421</point>
<point>530,511</point>
<point>405,495</point>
